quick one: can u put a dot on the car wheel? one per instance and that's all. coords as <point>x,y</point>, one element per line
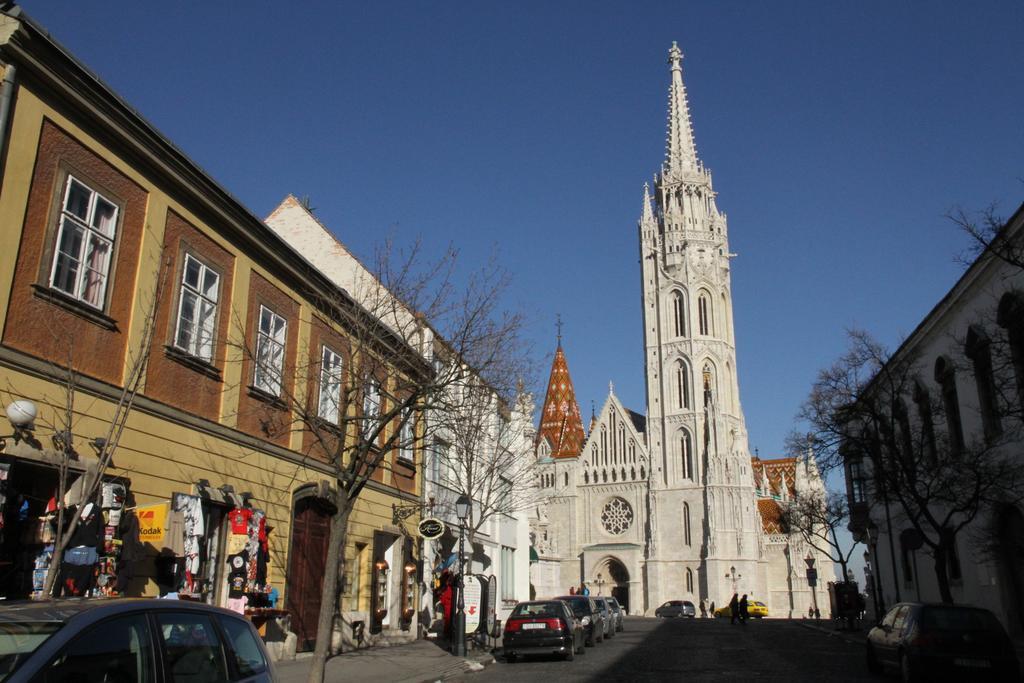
<point>874,666</point>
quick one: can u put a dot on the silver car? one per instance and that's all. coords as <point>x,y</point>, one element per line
<point>608,614</point>
<point>129,640</point>
<point>619,614</point>
<point>676,608</point>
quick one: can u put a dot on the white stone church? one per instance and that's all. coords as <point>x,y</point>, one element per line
<point>671,505</point>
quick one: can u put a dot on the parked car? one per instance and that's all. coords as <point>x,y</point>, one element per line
<point>676,608</point>
<point>620,614</point>
<point>140,640</point>
<point>924,641</point>
<point>585,609</point>
<point>608,615</point>
<point>543,627</point>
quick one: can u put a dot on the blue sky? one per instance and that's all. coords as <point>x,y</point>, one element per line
<point>839,135</point>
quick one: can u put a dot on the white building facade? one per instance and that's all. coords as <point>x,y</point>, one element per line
<point>664,506</point>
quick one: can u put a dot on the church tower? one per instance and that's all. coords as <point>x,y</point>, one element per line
<point>704,539</point>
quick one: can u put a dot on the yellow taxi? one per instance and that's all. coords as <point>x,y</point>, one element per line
<point>755,609</point>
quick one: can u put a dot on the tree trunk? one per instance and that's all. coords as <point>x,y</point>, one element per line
<point>329,598</point>
<point>942,570</point>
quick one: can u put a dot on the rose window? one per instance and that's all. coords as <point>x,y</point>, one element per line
<point>617,516</point>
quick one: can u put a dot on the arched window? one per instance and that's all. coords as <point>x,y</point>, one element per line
<point>945,375</point>
<point>604,446</point>
<point>682,385</point>
<point>905,442</point>
<point>704,322</point>
<point>923,400</point>
<point>586,477</point>
<point>566,478</point>
<point>1010,317</point>
<point>678,314</point>
<point>979,350</point>
<point>686,455</point>
<point>689,580</point>
<point>686,524</point>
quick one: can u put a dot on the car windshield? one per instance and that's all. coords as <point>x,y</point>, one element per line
<point>19,639</point>
<point>579,605</point>
<point>537,609</point>
<point>957,619</point>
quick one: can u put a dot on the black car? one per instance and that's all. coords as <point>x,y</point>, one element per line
<point>139,640</point>
<point>542,627</point>
<point>589,615</point>
<point>925,641</point>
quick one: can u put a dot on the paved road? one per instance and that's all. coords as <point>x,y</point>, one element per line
<point>698,649</point>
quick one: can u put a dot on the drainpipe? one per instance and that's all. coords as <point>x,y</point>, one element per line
<point>6,96</point>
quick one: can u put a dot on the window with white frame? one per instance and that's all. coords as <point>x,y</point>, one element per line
<point>328,405</point>
<point>197,309</point>
<point>407,436</point>
<point>371,407</point>
<point>270,338</point>
<point>437,460</point>
<point>508,573</point>
<point>85,243</point>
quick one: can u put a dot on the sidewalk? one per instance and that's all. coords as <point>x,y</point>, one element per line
<point>418,662</point>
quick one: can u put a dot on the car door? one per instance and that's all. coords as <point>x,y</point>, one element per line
<point>115,649</point>
<point>246,655</point>
<point>191,647</point>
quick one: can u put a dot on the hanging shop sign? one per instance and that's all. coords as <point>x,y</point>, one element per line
<point>152,519</point>
<point>431,528</point>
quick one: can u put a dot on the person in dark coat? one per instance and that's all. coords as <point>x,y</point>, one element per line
<point>744,614</point>
<point>734,607</point>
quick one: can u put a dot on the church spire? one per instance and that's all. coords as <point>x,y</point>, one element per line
<point>560,422</point>
<point>647,215</point>
<point>680,152</point>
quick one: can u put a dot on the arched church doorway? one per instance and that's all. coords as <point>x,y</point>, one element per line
<point>614,574</point>
<point>1010,527</point>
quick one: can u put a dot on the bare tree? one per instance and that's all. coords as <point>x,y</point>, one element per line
<point>485,455</point>
<point>937,481</point>
<point>378,400</point>
<point>75,483</point>
<point>818,516</point>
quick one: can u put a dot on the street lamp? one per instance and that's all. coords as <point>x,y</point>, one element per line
<point>599,582</point>
<point>812,582</point>
<point>22,416</point>
<point>734,576</point>
<point>462,506</point>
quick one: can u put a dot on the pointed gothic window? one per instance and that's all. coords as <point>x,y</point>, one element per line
<point>705,323</point>
<point>678,314</point>
<point>682,385</point>
<point>922,399</point>
<point>686,455</point>
<point>979,350</point>
<point>1010,316</point>
<point>686,528</point>
<point>945,375</point>
<point>689,580</point>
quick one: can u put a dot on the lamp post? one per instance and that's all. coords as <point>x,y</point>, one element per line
<point>599,581</point>
<point>871,529</point>
<point>22,415</point>
<point>812,582</point>
<point>734,576</point>
<point>462,506</point>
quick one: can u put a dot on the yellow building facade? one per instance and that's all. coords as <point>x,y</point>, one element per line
<point>106,228</point>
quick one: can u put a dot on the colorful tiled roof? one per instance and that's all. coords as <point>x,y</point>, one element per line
<point>770,474</point>
<point>771,514</point>
<point>560,422</point>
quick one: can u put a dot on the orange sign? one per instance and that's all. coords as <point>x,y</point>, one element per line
<point>152,519</point>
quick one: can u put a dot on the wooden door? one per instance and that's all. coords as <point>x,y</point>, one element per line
<point>306,564</point>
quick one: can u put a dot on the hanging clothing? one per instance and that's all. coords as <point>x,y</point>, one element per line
<point>239,518</point>
<point>192,507</point>
<point>89,531</point>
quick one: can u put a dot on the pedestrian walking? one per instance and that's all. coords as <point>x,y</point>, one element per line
<point>584,590</point>
<point>703,609</point>
<point>744,614</point>
<point>734,607</point>
<point>572,590</point>
<point>712,609</point>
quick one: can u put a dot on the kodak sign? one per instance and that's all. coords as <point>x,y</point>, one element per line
<point>151,522</point>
